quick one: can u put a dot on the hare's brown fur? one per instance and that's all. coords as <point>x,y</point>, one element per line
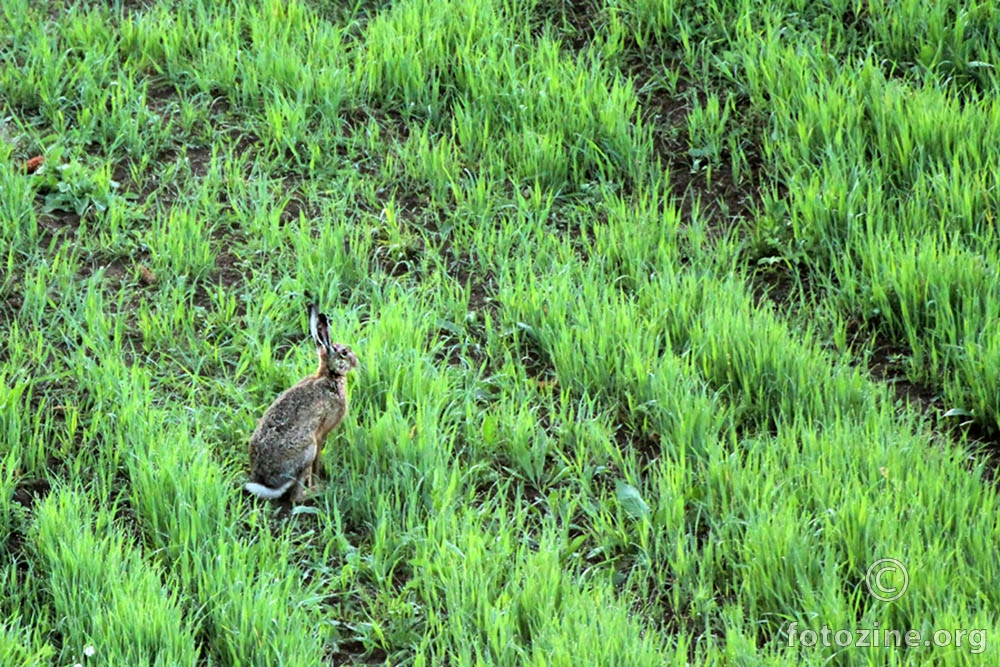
<point>285,448</point>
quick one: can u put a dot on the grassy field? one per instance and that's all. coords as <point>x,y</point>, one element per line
<point>673,317</point>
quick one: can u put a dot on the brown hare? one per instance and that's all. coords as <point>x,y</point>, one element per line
<point>285,448</point>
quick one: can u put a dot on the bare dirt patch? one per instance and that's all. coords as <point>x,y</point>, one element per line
<point>10,305</point>
<point>887,364</point>
<point>646,445</point>
<point>718,197</point>
<point>29,492</point>
<point>464,343</point>
<point>229,273</point>
<point>26,494</point>
<point>354,653</point>
<point>392,127</point>
<point>787,289</point>
<point>579,21</point>
<point>536,361</point>
<point>56,225</point>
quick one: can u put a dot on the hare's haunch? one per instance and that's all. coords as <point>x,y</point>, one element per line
<point>285,448</point>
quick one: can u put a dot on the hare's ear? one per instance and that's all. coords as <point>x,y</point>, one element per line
<point>314,323</point>
<point>324,332</point>
<point>319,327</point>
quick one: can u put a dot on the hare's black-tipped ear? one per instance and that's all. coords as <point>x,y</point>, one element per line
<point>319,327</point>
<point>324,332</point>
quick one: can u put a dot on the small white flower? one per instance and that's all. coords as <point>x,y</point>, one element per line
<point>89,651</point>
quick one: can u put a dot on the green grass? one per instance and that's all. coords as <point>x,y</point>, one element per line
<point>577,434</point>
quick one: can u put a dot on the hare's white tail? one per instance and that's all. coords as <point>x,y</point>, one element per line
<point>262,491</point>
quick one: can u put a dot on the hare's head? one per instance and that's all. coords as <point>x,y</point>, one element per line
<point>341,359</point>
<point>334,358</point>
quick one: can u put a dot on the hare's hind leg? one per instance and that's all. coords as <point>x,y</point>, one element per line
<point>305,475</point>
<point>300,486</point>
<point>318,441</point>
